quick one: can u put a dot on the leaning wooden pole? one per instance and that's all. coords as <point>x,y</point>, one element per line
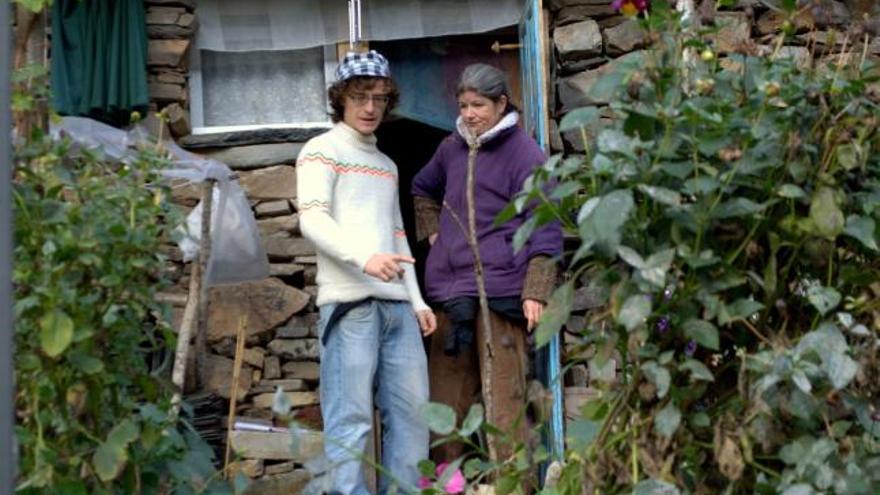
<point>204,296</point>
<point>233,391</point>
<point>184,337</point>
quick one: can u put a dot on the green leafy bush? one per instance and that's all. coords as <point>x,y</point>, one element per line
<point>726,213</point>
<point>92,349</point>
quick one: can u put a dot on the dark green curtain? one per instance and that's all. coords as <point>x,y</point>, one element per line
<point>99,59</point>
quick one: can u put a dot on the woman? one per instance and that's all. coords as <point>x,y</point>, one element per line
<point>517,284</point>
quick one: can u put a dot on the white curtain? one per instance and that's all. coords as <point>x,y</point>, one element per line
<point>235,25</point>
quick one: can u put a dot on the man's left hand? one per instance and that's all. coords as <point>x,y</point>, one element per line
<point>532,309</point>
<point>427,321</point>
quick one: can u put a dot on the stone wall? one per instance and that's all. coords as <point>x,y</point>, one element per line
<point>589,38</point>
<point>282,345</point>
<point>171,26</point>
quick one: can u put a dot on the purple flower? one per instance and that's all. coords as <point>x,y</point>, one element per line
<point>662,324</point>
<point>691,348</point>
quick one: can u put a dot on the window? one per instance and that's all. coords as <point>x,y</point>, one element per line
<point>267,88</point>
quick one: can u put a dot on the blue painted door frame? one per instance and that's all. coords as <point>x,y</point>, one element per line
<point>535,75</point>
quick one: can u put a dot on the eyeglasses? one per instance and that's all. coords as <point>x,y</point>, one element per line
<point>361,99</point>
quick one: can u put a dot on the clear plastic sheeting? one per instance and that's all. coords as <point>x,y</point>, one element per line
<point>237,254</point>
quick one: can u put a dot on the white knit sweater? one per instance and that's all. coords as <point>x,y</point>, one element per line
<point>349,206</point>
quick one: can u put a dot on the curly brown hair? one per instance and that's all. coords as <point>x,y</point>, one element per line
<point>340,89</point>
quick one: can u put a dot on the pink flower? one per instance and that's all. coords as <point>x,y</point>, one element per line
<point>455,484</point>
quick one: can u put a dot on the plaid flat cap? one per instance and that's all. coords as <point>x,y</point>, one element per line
<point>370,64</point>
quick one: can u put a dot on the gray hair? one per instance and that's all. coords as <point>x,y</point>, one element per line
<point>485,80</point>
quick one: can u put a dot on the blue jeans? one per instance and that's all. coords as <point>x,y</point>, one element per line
<point>375,346</point>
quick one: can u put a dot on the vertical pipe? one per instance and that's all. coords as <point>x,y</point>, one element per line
<point>8,460</point>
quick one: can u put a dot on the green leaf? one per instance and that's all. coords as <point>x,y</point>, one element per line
<point>632,257</point>
<point>656,267</point>
<point>524,232</point>
<point>440,418</point>
<point>555,314</point>
<point>667,420</point>
<point>634,312</point>
<point>580,433</point>
<point>112,454</point>
<point>655,487</point>
<point>738,310</point>
<point>85,363</point>
<point>824,299</point>
<point>698,370</point>
<point>659,376</point>
<point>863,229</point>
<point>800,379</point>
<point>791,191</point>
<point>56,332</point>
<point>603,225</point>
<point>427,468</point>
<point>472,421</point>
<point>579,117</point>
<point>825,214</point>
<point>661,194</point>
<point>703,332</point>
<point>738,207</point>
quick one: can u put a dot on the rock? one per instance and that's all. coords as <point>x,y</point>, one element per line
<point>278,182</point>
<point>281,467</point>
<point>561,4</point>
<point>306,260</point>
<point>164,92</point>
<point>575,324</point>
<point>171,31</point>
<point>285,269</point>
<point>771,22</point>
<point>178,120</point>
<point>254,356</point>
<point>577,90</point>
<point>295,349</point>
<point>799,54</point>
<point>252,468</point>
<point>169,76</point>
<point>257,155</point>
<point>569,67</point>
<point>189,5</point>
<point>218,377</point>
<point>578,40</point>
<point>280,484</point>
<point>556,143</point>
<point>624,37</point>
<point>273,208</point>
<point>271,367</point>
<point>286,247</point>
<point>274,225</point>
<point>734,31</point>
<point>167,53</point>
<point>164,15</point>
<point>298,327</point>
<point>579,375</point>
<point>297,399</point>
<point>578,13</point>
<point>303,370</point>
<point>267,304</point>
<point>269,386</point>
<point>310,275</point>
<point>300,445</point>
<point>255,136</point>
<point>608,22</point>
<point>588,298</point>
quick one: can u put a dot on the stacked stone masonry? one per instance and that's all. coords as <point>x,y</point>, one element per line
<point>588,38</point>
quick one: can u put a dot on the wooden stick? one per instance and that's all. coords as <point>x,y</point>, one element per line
<point>204,255</point>
<point>184,335</point>
<point>233,392</point>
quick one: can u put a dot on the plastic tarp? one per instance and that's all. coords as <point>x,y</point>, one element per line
<point>237,254</point>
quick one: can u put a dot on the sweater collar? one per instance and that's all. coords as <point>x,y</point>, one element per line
<point>508,121</point>
<point>355,138</point>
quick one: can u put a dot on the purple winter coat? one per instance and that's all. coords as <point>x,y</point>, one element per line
<point>503,164</point>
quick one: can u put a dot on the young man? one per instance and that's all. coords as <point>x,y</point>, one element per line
<point>370,305</point>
